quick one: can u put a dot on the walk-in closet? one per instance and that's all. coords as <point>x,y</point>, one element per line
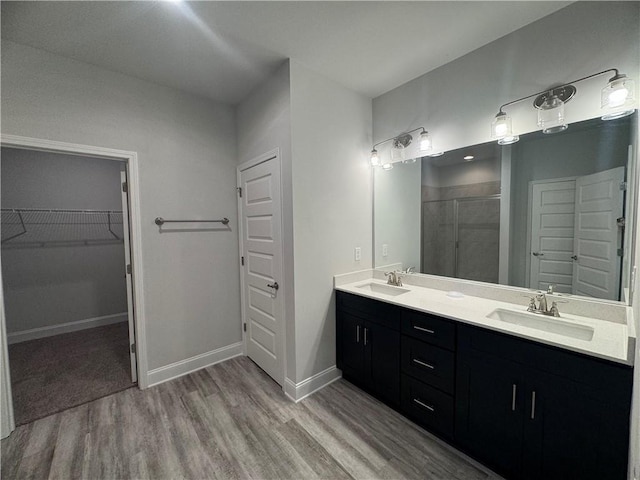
<point>64,270</point>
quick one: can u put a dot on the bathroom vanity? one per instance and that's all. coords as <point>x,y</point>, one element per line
<point>530,396</point>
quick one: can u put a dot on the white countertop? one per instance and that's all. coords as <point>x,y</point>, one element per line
<point>612,340</point>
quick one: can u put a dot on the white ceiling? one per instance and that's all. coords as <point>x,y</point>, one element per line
<point>222,50</point>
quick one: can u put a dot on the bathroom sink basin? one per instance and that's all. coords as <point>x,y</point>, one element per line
<point>384,289</point>
<point>543,323</point>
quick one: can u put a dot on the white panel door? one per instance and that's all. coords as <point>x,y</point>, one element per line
<point>127,261</point>
<point>260,213</point>
<point>598,205</point>
<point>552,225</point>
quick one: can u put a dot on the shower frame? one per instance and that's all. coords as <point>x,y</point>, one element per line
<point>456,240</point>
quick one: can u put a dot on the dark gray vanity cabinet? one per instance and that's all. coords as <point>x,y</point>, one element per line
<point>527,410</point>
<point>535,412</point>
<point>368,345</point>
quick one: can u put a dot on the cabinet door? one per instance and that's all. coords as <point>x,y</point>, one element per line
<point>383,353</point>
<point>489,411</point>
<point>572,432</point>
<point>352,346</point>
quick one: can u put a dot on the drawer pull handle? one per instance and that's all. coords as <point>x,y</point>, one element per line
<point>422,404</point>
<point>420,362</point>
<point>513,397</point>
<point>365,336</point>
<point>357,333</point>
<point>533,405</point>
<point>422,329</point>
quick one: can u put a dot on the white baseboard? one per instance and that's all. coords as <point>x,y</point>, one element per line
<point>301,390</point>
<point>68,327</point>
<point>189,365</point>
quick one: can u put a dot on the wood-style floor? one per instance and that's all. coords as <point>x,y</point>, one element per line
<point>230,421</point>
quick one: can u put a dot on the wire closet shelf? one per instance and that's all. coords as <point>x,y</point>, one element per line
<point>50,227</point>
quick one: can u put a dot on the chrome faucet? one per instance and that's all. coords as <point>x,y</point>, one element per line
<point>394,278</point>
<point>410,270</point>
<point>542,307</point>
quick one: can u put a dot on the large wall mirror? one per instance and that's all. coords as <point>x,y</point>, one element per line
<point>548,210</point>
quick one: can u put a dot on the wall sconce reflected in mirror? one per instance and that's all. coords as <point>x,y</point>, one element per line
<point>617,99</point>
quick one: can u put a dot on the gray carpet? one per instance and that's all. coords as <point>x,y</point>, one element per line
<point>52,374</point>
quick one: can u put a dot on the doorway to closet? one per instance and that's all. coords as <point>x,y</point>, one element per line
<point>67,290</point>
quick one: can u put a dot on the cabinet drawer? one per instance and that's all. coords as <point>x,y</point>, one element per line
<point>368,309</point>
<point>428,363</point>
<point>429,328</point>
<point>427,406</point>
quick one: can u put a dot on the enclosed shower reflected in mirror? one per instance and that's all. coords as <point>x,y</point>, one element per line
<point>460,225</point>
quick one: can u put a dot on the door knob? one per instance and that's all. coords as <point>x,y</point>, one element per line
<point>273,285</point>
<point>537,254</point>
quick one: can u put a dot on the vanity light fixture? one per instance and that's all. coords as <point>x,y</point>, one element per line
<point>425,145</point>
<point>398,147</point>
<point>375,159</point>
<point>617,98</point>
<point>550,107</point>
<point>501,128</point>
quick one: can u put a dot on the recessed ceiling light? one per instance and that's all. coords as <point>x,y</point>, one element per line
<point>468,157</point>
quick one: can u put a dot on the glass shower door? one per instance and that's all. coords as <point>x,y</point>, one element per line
<point>477,241</point>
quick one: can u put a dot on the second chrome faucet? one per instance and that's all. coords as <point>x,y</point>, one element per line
<point>394,278</point>
<point>542,307</point>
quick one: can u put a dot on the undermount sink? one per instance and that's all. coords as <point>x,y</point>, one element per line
<point>383,288</point>
<point>546,324</point>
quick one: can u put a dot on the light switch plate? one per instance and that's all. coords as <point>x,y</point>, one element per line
<point>385,250</point>
<point>358,253</point>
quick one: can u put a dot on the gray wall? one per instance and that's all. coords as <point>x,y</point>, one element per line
<point>187,156</point>
<point>458,101</point>
<point>264,123</point>
<point>331,138</point>
<point>55,283</point>
<point>580,150</point>
<point>323,131</point>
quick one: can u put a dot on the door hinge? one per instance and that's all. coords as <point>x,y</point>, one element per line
<point>623,185</point>
<point>244,327</point>
<point>125,187</point>
<point>240,192</point>
<point>129,268</point>
<point>621,221</point>
<point>133,348</point>
<point>620,252</point>
<point>242,261</point>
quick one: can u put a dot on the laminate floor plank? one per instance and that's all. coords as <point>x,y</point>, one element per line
<point>231,422</point>
<point>68,456</point>
<point>316,456</point>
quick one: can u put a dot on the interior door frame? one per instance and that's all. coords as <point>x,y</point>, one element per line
<point>130,159</point>
<point>265,157</point>
<point>530,221</point>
